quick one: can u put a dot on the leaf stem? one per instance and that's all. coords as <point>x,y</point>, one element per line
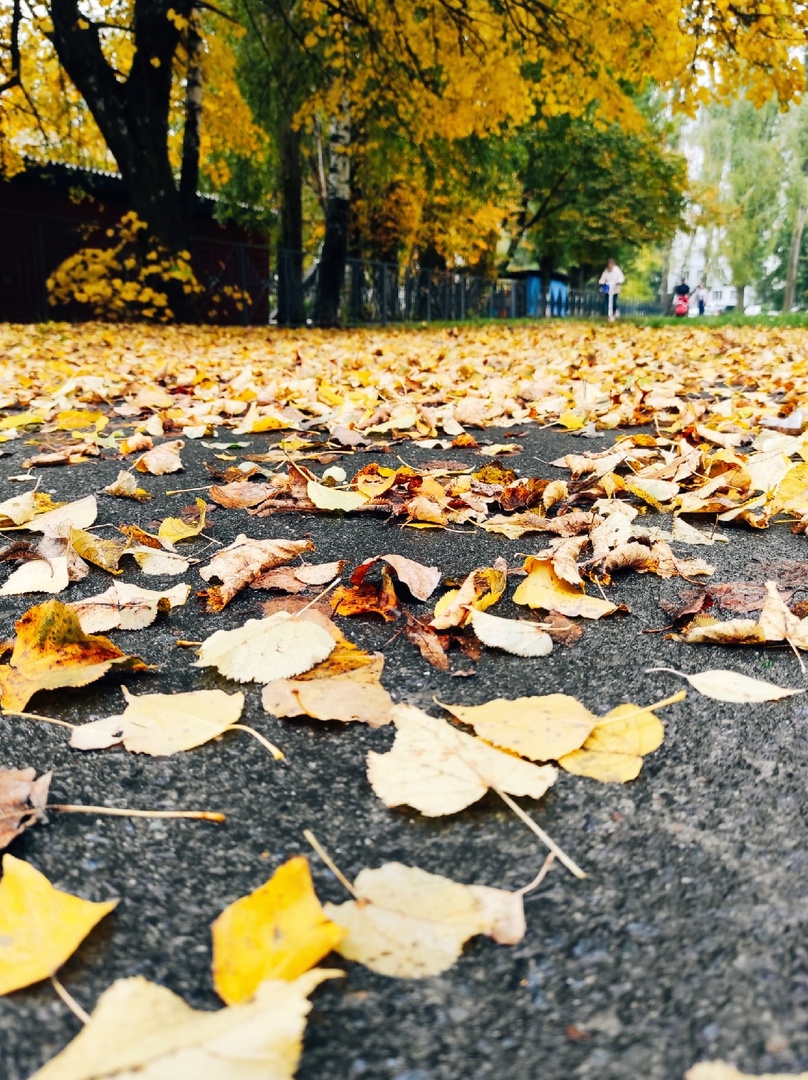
<point>36,716</point>
<point>329,862</point>
<point>116,811</point>
<point>273,749</point>
<point>542,835</point>
<point>539,878</point>
<point>69,1000</point>
<point>672,700</point>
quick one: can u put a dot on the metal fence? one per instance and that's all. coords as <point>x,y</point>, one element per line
<point>379,293</point>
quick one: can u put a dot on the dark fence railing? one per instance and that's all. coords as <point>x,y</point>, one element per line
<point>381,292</point>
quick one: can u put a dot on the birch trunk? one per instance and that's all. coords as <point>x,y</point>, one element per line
<point>335,246</point>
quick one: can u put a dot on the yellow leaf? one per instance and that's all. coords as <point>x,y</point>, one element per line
<point>539,728</point>
<point>40,926</point>
<point>126,607</point>
<point>163,459</point>
<point>76,419</point>
<point>162,724</point>
<point>439,770</point>
<point>722,1070</point>
<point>411,924</point>
<point>543,588</point>
<point>174,529</point>
<point>614,751</point>
<point>51,650</point>
<point>353,696</point>
<point>326,498</point>
<point>277,932</point>
<point>482,588</point>
<point>144,1030</point>
<point>278,647</point>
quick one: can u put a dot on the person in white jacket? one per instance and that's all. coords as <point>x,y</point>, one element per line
<point>610,281</point>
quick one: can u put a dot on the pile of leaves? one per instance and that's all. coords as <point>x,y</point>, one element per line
<point>725,452</point>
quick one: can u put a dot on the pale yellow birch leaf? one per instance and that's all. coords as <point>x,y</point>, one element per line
<point>540,728</point>
<point>278,647</point>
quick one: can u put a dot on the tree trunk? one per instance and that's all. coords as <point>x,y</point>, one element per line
<point>189,177</point>
<point>290,247</point>
<point>792,268</point>
<point>740,300</point>
<point>335,246</point>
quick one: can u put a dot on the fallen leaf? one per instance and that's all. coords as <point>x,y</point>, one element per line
<point>126,607</point>
<point>278,647</point>
<point>539,728</point>
<point>482,588</point>
<point>240,494</point>
<point>138,441</point>
<point>162,459</point>
<point>124,486</point>
<point>439,770</point>
<point>327,498</point>
<point>722,1070</point>
<point>236,565</point>
<point>295,579</point>
<point>51,651</point>
<point>22,802</point>
<point>278,931</point>
<point>18,509</point>
<point>174,529</point>
<point>619,741</point>
<point>511,635</point>
<point>139,1029</point>
<point>80,514</point>
<point>723,685</point>
<point>428,643</point>
<point>420,580</point>
<point>38,576</point>
<point>368,599</point>
<point>354,696</point>
<point>410,924</point>
<point>543,588</point>
<point>40,926</point>
<point>162,724</point>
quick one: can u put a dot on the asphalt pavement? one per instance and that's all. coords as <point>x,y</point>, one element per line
<point>687,940</point>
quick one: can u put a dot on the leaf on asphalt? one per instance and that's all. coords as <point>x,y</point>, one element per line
<point>173,529</point>
<point>429,644</point>
<point>776,623</point>
<point>295,579</point>
<point>420,580</point>
<point>241,494</point>
<point>104,553</point>
<point>139,441</point>
<point>242,561</point>
<point>126,607</point>
<point>540,728</point>
<point>723,685</point>
<point>516,636</point>
<point>124,486</point>
<point>482,588</point>
<point>156,562</point>
<point>139,1029</point>
<point>410,924</point>
<point>543,588</point>
<point>278,647</point>
<point>619,741</point>
<point>40,926</point>
<point>561,629</point>
<point>368,599</point>
<point>439,770</point>
<point>328,498</point>
<point>80,514</point>
<point>373,480</point>
<point>162,724</point>
<point>51,651</point>
<point>162,459</point>
<point>278,931</point>
<point>356,695</point>
<point>22,802</point>
<point>722,1070</point>
<point>38,576</point>
<point>18,510</point>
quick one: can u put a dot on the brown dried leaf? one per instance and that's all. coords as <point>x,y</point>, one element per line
<point>22,801</point>
<point>240,562</point>
<point>368,599</point>
<point>429,644</point>
<point>162,459</point>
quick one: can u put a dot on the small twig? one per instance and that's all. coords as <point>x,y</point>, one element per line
<point>188,644</point>
<point>69,1000</point>
<point>539,878</point>
<point>320,595</point>
<point>542,835</point>
<point>329,862</point>
<point>36,716</point>
<point>273,749</point>
<point>115,811</point>
<point>185,491</point>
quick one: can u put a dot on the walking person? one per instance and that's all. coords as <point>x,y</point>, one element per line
<point>610,281</point>
<point>701,297</point>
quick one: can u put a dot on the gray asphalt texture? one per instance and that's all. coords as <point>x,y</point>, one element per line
<point>687,941</point>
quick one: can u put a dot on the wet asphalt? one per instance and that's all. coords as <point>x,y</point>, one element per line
<point>687,941</point>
